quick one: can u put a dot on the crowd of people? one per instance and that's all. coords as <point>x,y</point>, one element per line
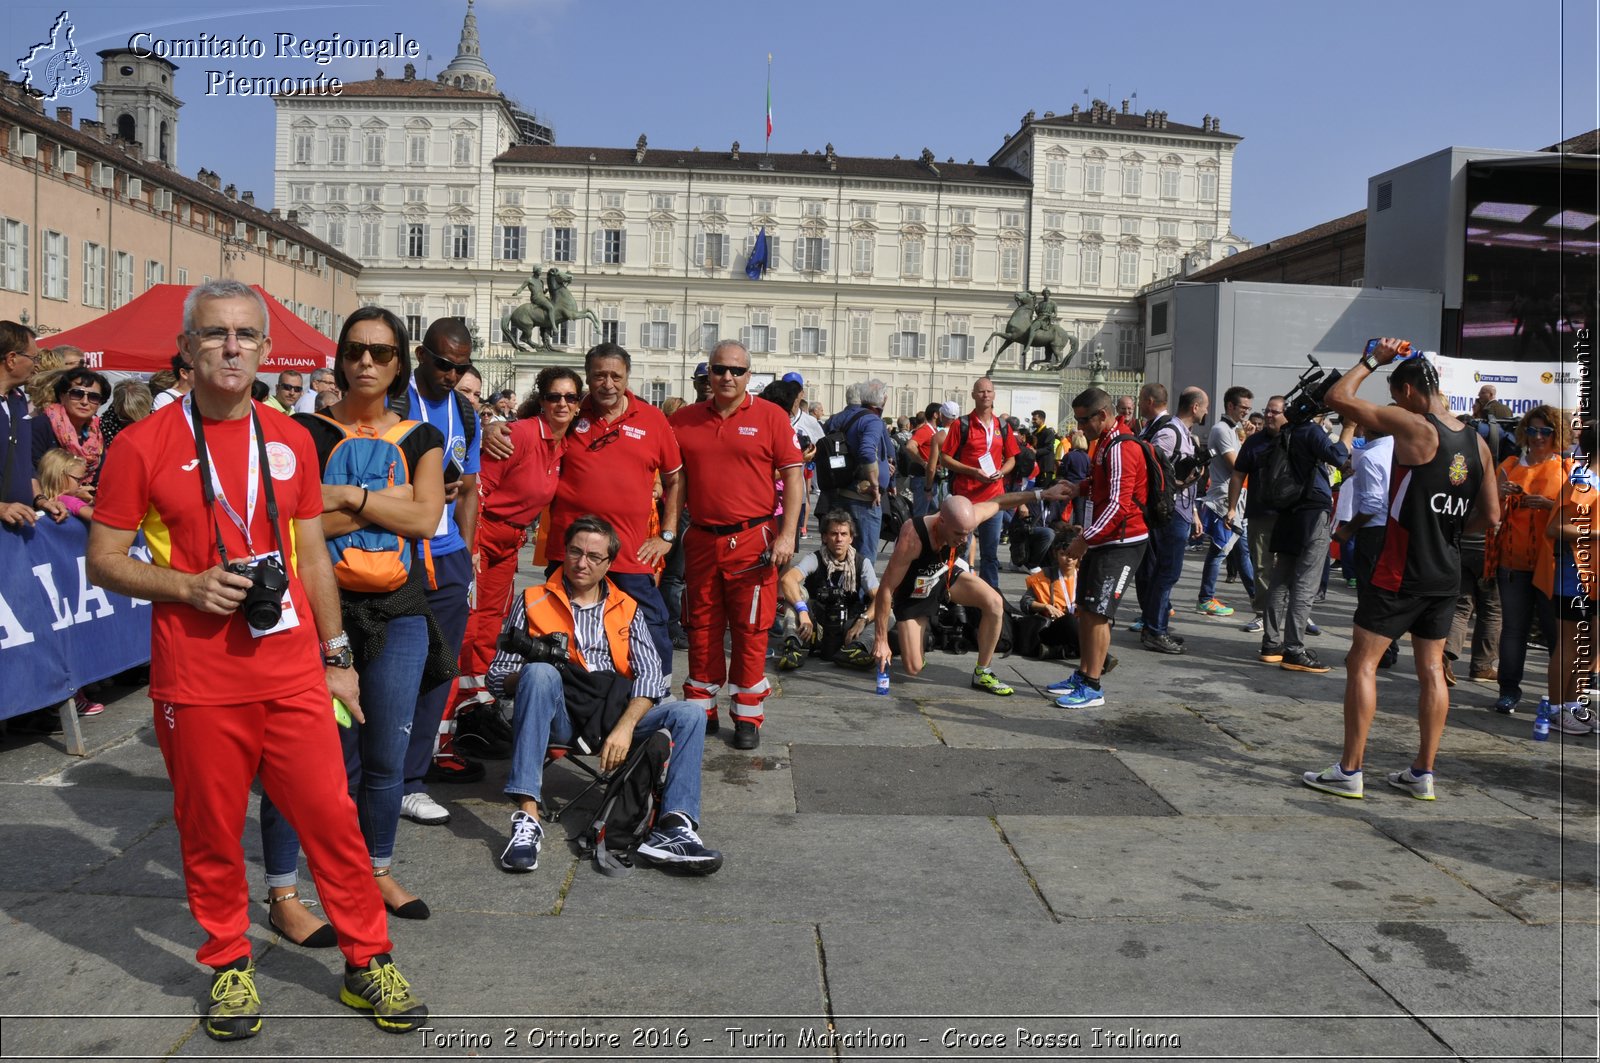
<point>678,528</point>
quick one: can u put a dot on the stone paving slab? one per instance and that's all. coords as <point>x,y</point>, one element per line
<point>937,780</point>
<point>1486,990</point>
<point>1028,720</point>
<point>809,867</point>
<point>852,717</point>
<point>1541,871</point>
<point>122,972</point>
<point>535,979</point>
<point>52,836</point>
<point>1268,784</point>
<point>1250,868</point>
<point>1291,996</point>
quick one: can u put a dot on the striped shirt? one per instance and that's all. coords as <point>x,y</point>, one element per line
<point>587,624</point>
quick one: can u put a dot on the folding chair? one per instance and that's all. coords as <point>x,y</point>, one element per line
<point>571,755</point>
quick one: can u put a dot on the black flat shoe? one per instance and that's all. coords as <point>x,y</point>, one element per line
<point>415,908</point>
<point>323,937</point>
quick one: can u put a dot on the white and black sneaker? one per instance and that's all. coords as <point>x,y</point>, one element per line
<point>675,845</point>
<point>1334,780</point>
<point>522,851</point>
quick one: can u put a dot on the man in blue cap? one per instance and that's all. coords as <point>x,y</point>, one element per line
<point>702,383</point>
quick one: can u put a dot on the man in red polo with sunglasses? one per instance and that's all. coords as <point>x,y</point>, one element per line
<point>735,449</point>
<point>616,448</point>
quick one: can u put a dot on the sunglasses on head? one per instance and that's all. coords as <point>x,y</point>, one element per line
<point>382,353</point>
<point>728,370</point>
<point>82,393</point>
<point>559,396</point>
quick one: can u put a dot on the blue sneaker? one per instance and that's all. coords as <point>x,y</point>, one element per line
<point>1137,625</point>
<point>1081,696</point>
<point>1063,686</point>
<point>674,844</point>
<point>1507,705</point>
<point>522,852</point>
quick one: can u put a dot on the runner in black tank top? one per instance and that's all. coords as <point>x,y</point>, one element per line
<point>1438,494</point>
<point>928,580</point>
<point>1428,506</point>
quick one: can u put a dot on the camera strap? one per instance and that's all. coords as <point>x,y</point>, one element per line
<point>211,485</point>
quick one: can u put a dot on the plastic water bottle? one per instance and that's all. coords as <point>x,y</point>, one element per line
<point>1541,721</point>
<point>883,680</point>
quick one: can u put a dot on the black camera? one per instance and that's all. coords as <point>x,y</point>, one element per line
<point>541,649</point>
<point>1189,468</point>
<point>830,611</point>
<point>1306,400</point>
<point>263,602</point>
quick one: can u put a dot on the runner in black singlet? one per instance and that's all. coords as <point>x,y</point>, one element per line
<point>926,569</point>
<point>1438,493</point>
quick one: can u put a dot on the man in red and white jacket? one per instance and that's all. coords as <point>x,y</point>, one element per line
<point>1113,541</point>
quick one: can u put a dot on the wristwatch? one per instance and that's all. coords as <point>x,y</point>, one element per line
<point>1370,362</point>
<point>336,652</point>
<point>668,536</point>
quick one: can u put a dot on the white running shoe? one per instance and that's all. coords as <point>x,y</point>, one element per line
<point>1333,780</point>
<point>1573,719</point>
<point>421,808</point>
<point>1418,786</point>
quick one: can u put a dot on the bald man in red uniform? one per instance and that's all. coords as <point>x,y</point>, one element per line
<point>735,449</point>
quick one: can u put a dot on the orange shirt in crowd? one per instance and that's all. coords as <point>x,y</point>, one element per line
<point>1521,538</point>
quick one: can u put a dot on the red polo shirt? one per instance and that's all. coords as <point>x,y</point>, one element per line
<point>923,439</point>
<point>609,471</point>
<point>151,482</point>
<point>515,490</point>
<point>732,461</point>
<point>999,442</point>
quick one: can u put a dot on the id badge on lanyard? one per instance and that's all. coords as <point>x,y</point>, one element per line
<point>421,408</point>
<point>986,460</point>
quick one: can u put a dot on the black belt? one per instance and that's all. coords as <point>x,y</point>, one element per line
<point>729,529</point>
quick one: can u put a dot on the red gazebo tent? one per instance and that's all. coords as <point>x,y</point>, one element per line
<point>141,336</point>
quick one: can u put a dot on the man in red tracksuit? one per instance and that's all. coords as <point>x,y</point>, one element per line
<point>216,481</point>
<point>1113,542</point>
<point>735,449</point>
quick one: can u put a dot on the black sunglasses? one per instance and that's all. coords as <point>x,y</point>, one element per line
<point>291,387</point>
<point>729,370</point>
<point>605,440</point>
<point>445,365</point>
<point>557,396</point>
<point>81,393</point>
<point>382,353</point>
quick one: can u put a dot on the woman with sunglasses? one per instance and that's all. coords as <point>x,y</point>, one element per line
<point>397,648</point>
<point>1529,487</point>
<point>512,492</point>
<point>72,421</point>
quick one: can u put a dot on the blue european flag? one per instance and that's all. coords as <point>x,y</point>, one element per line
<point>758,262</point>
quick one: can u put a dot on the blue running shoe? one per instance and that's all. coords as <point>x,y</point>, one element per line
<point>1137,625</point>
<point>1081,696</point>
<point>674,844</point>
<point>522,851</point>
<point>1063,686</point>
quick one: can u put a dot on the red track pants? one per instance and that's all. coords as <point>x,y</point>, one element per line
<point>727,589</point>
<point>498,545</point>
<point>213,752</point>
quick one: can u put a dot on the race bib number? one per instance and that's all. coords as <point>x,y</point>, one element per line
<point>929,584</point>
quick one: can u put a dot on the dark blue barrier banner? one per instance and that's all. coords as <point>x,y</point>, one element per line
<point>57,631</point>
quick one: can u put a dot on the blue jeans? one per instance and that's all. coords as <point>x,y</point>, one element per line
<point>671,588</point>
<point>540,719</point>
<point>1208,575</point>
<point>1520,602</point>
<point>642,589</point>
<point>869,522</point>
<point>374,752</point>
<point>453,573</point>
<point>1167,548</point>
<point>988,535</point>
<point>919,495</point>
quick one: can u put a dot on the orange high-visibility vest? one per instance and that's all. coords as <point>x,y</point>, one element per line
<point>549,610</point>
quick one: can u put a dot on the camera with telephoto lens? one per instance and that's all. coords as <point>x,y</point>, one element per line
<point>830,611</point>
<point>537,649</point>
<point>263,602</point>
<point>1306,400</point>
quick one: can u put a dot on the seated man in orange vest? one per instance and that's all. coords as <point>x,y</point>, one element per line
<point>605,632</point>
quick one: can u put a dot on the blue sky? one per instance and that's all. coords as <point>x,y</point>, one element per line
<point>1325,95</point>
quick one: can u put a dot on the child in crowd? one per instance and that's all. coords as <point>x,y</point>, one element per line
<point>64,477</point>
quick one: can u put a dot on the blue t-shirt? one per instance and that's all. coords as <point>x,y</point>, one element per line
<point>460,458</point>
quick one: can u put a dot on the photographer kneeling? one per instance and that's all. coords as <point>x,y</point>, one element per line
<point>829,592</point>
<point>556,644</point>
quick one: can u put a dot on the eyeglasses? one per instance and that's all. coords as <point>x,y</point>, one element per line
<point>31,356</point>
<point>95,396</point>
<point>1532,431</point>
<point>291,387</point>
<point>382,353</point>
<point>556,396</point>
<point>728,370</point>
<point>445,365</point>
<point>593,559</point>
<point>248,339</point>
<point>605,440</point>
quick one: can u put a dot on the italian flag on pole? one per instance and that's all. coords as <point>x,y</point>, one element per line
<point>769,97</point>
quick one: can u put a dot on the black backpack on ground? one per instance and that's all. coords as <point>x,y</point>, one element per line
<point>629,806</point>
<point>836,465</point>
<point>896,511</point>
